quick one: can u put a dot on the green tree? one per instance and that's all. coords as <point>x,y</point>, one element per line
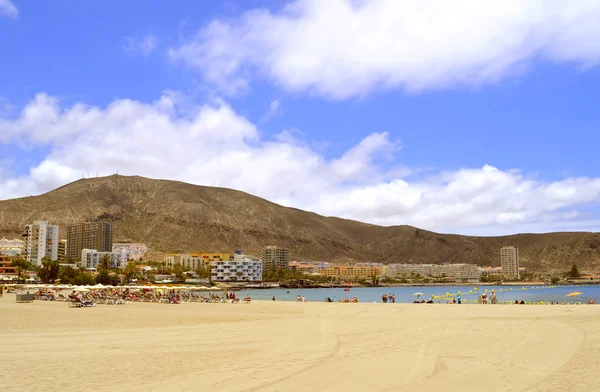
<point>105,263</point>
<point>554,279</point>
<point>24,264</point>
<point>130,272</point>
<point>67,275</point>
<point>178,271</point>
<point>574,272</point>
<point>103,277</point>
<point>83,279</point>
<point>48,272</point>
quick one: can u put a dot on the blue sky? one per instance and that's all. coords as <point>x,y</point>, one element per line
<point>485,126</point>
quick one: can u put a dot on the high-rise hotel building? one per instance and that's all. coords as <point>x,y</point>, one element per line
<point>274,258</point>
<point>89,235</point>
<point>509,261</point>
<point>41,239</point>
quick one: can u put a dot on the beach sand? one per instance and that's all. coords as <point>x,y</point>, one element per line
<point>289,346</point>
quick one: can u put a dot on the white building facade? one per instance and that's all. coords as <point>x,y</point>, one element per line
<point>456,270</point>
<point>241,269</point>
<point>135,250</point>
<point>40,240</point>
<point>509,262</point>
<point>11,247</point>
<point>91,259</point>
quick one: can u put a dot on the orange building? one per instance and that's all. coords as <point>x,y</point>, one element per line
<point>6,267</point>
<point>351,273</point>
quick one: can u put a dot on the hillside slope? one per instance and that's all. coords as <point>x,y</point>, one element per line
<point>173,216</point>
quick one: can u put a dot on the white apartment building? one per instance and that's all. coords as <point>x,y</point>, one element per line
<point>241,269</point>
<point>188,261</point>
<point>509,261</point>
<point>397,270</point>
<point>41,239</point>
<point>11,247</point>
<point>135,250</point>
<point>457,270</point>
<point>91,258</point>
<point>460,270</point>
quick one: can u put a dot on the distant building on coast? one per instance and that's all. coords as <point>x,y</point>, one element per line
<point>509,261</point>
<point>242,268</point>
<point>274,257</point>
<point>89,235</point>
<point>62,251</point>
<point>352,273</point>
<point>308,267</point>
<point>135,250</point>
<point>91,259</point>
<point>40,239</point>
<point>454,270</point>
<point>8,271</point>
<point>11,247</point>
<point>194,261</point>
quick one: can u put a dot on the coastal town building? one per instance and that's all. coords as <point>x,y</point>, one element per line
<point>450,270</point>
<point>352,273</point>
<point>308,267</point>
<point>274,258</point>
<point>8,271</point>
<point>242,268</point>
<point>490,271</point>
<point>89,235</point>
<point>135,250</point>
<point>40,239</point>
<point>62,251</point>
<point>194,261</point>
<point>13,247</point>
<point>509,262</point>
<point>407,270</point>
<point>91,259</point>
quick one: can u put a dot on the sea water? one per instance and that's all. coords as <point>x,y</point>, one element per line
<point>469,294</point>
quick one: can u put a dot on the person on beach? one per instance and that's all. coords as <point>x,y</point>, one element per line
<point>389,298</point>
<point>484,298</point>
<point>273,298</point>
<point>384,298</point>
<point>493,298</point>
<point>299,299</point>
<point>458,299</point>
<point>355,300</point>
<point>393,298</point>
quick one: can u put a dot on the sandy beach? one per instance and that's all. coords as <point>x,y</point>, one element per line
<point>289,346</point>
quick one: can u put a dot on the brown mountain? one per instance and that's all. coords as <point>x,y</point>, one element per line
<point>173,216</point>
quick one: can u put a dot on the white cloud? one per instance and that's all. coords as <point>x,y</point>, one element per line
<point>346,48</point>
<point>145,45</point>
<point>7,8</point>
<point>274,111</point>
<point>213,145</point>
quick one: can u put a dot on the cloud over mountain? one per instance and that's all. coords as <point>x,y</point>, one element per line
<point>211,144</point>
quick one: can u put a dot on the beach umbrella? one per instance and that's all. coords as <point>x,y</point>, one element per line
<point>574,294</point>
<point>418,295</point>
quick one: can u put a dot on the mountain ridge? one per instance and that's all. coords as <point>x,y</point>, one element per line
<point>173,216</point>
